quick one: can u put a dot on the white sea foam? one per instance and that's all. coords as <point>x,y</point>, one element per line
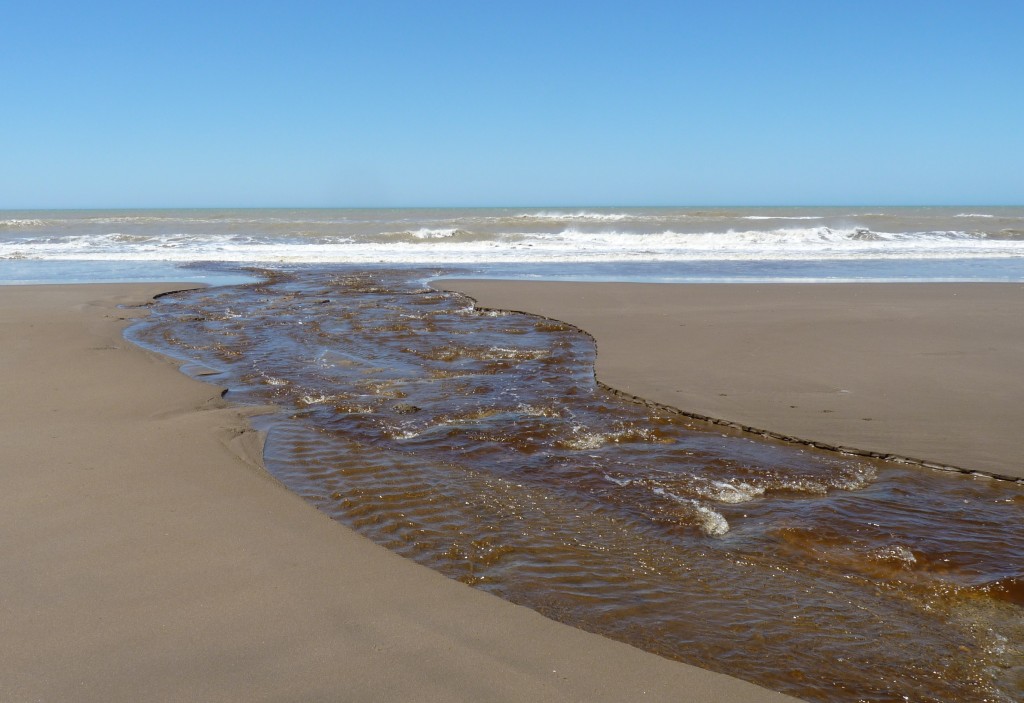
<point>584,216</point>
<point>428,233</point>
<point>447,246</point>
<point>783,217</point>
<point>975,214</point>
<point>18,224</point>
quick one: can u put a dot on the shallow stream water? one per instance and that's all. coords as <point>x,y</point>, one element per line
<point>479,444</point>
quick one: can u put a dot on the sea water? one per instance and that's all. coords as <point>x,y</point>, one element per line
<point>641,243</point>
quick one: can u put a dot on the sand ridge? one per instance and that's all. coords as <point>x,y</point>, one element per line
<point>927,372</point>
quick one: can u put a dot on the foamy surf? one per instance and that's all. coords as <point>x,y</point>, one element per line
<point>509,236</point>
<point>456,246</point>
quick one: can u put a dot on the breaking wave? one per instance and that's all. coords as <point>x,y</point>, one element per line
<point>584,216</point>
<point>455,245</point>
<point>783,217</point>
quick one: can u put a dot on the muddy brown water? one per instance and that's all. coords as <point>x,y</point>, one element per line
<point>478,443</point>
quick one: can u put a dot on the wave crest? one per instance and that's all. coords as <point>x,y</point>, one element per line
<point>453,245</point>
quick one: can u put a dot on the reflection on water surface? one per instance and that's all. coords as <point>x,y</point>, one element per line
<point>479,444</point>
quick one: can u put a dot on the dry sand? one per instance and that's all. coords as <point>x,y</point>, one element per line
<point>148,557</point>
<point>933,372</point>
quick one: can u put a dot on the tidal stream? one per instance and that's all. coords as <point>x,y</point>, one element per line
<point>478,444</point>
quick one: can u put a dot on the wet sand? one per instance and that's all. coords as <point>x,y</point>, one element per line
<point>148,555</point>
<point>929,372</point>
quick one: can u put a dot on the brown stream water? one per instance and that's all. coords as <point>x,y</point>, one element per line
<point>480,445</point>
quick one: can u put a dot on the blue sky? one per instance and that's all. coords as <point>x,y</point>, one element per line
<point>527,103</point>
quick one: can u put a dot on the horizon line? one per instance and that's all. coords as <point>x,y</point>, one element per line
<point>501,207</point>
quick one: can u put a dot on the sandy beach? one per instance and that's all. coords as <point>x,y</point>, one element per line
<point>923,371</point>
<point>150,557</point>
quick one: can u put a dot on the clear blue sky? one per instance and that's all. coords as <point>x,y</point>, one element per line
<point>179,104</point>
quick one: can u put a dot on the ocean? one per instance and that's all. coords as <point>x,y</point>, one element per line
<point>479,443</point>
<point>652,244</point>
